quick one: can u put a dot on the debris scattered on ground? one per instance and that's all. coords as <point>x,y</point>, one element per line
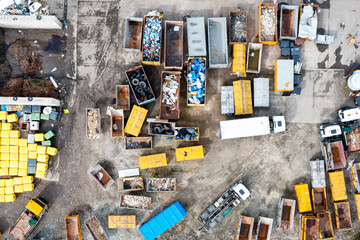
<point>29,88</point>
<point>22,51</point>
<point>152,39</point>
<point>187,134</point>
<point>135,201</point>
<point>24,7</point>
<point>161,184</point>
<point>93,123</point>
<point>268,24</point>
<point>238,27</point>
<point>170,88</point>
<point>196,81</point>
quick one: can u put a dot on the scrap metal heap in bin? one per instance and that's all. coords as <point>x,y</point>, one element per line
<point>196,81</point>
<point>24,7</point>
<point>152,38</point>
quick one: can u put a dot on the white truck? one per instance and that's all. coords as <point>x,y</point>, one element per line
<point>349,115</point>
<point>248,127</point>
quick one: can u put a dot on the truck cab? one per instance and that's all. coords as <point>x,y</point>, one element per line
<point>277,124</point>
<point>330,131</point>
<point>242,191</point>
<point>349,115</point>
<point>28,220</point>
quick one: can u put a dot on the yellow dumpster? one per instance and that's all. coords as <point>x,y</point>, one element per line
<point>189,153</point>
<point>303,197</point>
<point>239,60</point>
<point>122,221</point>
<point>153,161</point>
<point>337,185</point>
<point>357,200</point>
<point>242,97</point>
<point>135,121</point>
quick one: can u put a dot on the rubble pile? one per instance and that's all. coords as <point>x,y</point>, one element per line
<point>134,183</point>
<point>238,27</point>
<point>161,184</point>
<point>24,7</point>
<point>170,89</point>
<point>93,124</point>
<point>196,81</point>
<point>152,39</point>
<point>135,201</point>
<point>187,134</point>
<point>268,24</point>
<point>28,88</point>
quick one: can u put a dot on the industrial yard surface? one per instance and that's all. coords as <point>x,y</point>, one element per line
<point>268,165</point>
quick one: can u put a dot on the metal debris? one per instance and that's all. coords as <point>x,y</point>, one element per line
<point>187,134</point>
<point>196,81</point>
<point>93,123</point>
<point>140,85</point>
<point>238,27</point>
<point>161,184</point>
<point>161,128</point>
<point>268,24</point>
<point>133,183</point>
<point>138,144</point>
<point>24,7</point>
<point>132,201</point>
<point>170,88</point>
<point>152,38</point>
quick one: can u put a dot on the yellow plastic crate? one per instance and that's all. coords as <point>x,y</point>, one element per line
<point>5,164</point>
<point>122,221</point>
<point>18,180</point>
<point>23,157</point>
<point>337,185</point>
<point>23,142</point>
<point>242,97</point>
<point>4,172</point>
<point>40,174</point>
<point>9,190</point>
<point>32,155</point>
<point>13,171</point>
<point>5,156</point>
<point>14,133</point>
<point>303,197</point>
<point>41,149</point>
<point>10,197</point>
<point>51,151</point>
<point>41,166</point>
<point>14,141</point>
<point>23,165</point>
<point>22,172</point>
<point>39,137</point>
<point>19,189</point>
<point>2,182</point>
<point>42,158</point>
<point>6,126</point>
<point>14,164</point>
<point>27,179</point>
<point>28,187</point>
<point>23,150</point>
<point>5,133</point>
<point>14,149</point>
<point>32,147</point>
<point>3,115</point>
<point>135,121</point>
<point>189,153</point>
<point>5,149</point>
<point>5,141</point>
<point>2,190</point>
<point>12,118</point>
<point>153,161</point>
<point>14,157</point>
<point>2,198</point>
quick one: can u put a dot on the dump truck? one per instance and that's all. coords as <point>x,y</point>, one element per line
<point>319,200</point>
<point>187,134</point>
<point>152,39</point>
<point>263,229</point>
<point>217,42</point>
<point>163,221</point>
<point>73,228</point>
<point>242,97</point>
<point>128,184</point>
<point>309,228</point>
<point>153,161</point>
<point>189,153</point>
<point>286,213</point>
<point>133,34</point>
<point>134,143</point>
<point>116,122</point>
<point>248,127</point>
<point>284,75</point>
<point>29,218</point>
<point>355,171</point>
<point>161,184</point>
<point>121,221</point>
<point>261,92</point>
<point>95,229</point>
<point>245,228</point>
<point>123,97</point>
<point>102,177</point>
<point>268,33</point>
<point>289,15</point>
<point>135,202</point>
<point>170,95</point>
<point>303,197</point>
<point>317,173</point>
<point>337,186</point>
<point>227,100</point>
<point>93,124</point>
<point>135,121</point>
<point>140,85</point>
<point>357,201</point>
<point>343,216</point>
<point>173,45</point>
<point>196,36</point>
<point>237,27</point>
<point>253,62</point>
<point>326,227</point>
<point>239,60</point>
<point>332,146</point>
<point>196,81</point>
<point>216,212</point>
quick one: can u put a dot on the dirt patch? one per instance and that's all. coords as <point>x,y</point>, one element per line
<point>20,87</point>
<point>22,51</point>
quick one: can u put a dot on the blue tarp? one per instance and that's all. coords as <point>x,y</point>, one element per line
<point>163,221</point>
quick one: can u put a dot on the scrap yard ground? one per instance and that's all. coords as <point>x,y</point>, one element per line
<point>269,165</point>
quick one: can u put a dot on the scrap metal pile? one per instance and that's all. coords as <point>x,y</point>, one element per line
<point>196,81</point>
<point>135,202</point>
<point>268,24</point>
<point>152,39</point>
<point>161,128</point>
<point>161,184</point>
<point>133,183</point>
<point>24,7</point>
<point>170,88</point>
<point>140,85</point>
<point>187,134</point>
<point>238,27</point>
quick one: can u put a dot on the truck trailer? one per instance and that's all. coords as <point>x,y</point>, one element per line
<point>248,127</point>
